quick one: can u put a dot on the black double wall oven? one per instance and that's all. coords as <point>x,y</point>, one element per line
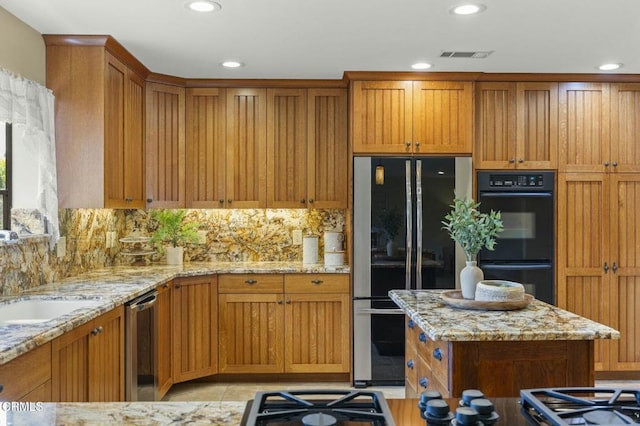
<point>525,249</point>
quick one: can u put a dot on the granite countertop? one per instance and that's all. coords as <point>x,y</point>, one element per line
<point>538,321</point>
<point>127,413</point>
<point>116,285</point>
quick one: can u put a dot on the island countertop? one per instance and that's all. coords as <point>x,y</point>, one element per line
<point>538,321</point>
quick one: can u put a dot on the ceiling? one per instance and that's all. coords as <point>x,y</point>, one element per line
<point>314,39</point>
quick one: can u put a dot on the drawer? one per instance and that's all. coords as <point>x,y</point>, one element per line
<point>439,361</point>
<point>316,283</point>
<point>250,283</point>
<point>26,373</point>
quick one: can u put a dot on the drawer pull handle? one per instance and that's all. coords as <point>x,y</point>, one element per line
<point>422,337</point>
<point>411,324</point>
<point>288,301</point>
<point>279,301</point>
<point>424,382</point>
<point>437,354</point>
<point>316,282</point>
<point>410,364</point>
<point>251,282</point>
<point>97,331</point>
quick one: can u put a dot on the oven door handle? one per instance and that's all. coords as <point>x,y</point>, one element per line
<point>389,311</point>
<point>515,266</point>
<point>144,304</point>
<point>515,194</point>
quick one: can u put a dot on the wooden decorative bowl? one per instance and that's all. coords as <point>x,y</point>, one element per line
<point>454,298</point>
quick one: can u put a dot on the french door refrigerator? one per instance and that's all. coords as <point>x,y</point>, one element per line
<point>398,243</point>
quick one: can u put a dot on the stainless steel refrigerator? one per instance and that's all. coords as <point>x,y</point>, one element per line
<point>398,243</point>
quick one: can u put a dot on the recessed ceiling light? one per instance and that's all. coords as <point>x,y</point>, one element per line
<point>231,64</point>
<point>203,5</point>
<point>421,66</point>
<point>609,67</point>
<point>468,9</point>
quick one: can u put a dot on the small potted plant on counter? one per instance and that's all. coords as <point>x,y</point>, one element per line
<point>473,231</point>
<point>172,233</point>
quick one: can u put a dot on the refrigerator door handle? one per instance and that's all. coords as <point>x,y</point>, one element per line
<point>375,311</point>
<point>409,223</point>
<point>419,224</point>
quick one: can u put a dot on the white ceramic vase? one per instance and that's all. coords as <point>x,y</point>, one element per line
<point>392,248</point>
<point>174,255</point>
<point>470,275</point>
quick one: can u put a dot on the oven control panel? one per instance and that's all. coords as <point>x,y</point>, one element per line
<point>519,180</point>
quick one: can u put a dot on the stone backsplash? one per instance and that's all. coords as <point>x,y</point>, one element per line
<point>231,235</point>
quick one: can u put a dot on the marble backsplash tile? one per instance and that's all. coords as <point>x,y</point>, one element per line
<point>232,235</point>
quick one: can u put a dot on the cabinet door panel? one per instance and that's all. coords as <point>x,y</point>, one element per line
<point>134,159</point>
<point>106,358</point>
<point>625,126</point>
<point>206,148</point>
<point>382,119</point>
<point>537,129</point>
<point>327,154</point>
<point>584,127</point>
<point>114,137</point>
<point>165,146</point>
<point>317,340</point>
<point>496,126</point>
<point>286,148</point>
<point>442,117</point>
<point>246,148</point>
<point>70,368</point>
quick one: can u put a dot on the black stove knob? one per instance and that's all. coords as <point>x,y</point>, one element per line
<point>437,413</point>
<point>425,397</point>
<point>466,416</point>
<point>469,395</point>
<point>485,409</point>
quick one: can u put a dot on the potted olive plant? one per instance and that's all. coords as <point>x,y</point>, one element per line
<point>172,233</point>
<point>473,231</point>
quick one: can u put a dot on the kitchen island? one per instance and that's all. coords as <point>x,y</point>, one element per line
<point>499,352</point>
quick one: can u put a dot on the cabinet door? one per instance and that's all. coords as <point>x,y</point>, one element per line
<point>163,350</point>
<point>251,333</point>
<point>246,148</point>
<point>194,328</point>
<point>381,117</point>
<point>165,146</point>
<point>496,126</point>
<point>625,271</point>
<point>317,340</point>
<point>327,149</point>
<point>206,152</point>
<point>442,117</point>
<point>584,127</point>
<point>625,127</point>
<point>537,125</point>
<point>583,248</point>
<point>286,148</point>
<point>106,357</point>
<point>27,376</point>
<point>70,366</point>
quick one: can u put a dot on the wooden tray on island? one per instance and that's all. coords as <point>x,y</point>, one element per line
<point>454,298</point>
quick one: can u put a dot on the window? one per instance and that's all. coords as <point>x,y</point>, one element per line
<point>5,174</point>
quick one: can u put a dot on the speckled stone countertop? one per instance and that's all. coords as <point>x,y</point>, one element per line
<point>115,286</point>
<point>130,413</point>
<point>538,321</point>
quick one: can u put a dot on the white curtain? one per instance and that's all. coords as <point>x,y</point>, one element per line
<point>29,107</point>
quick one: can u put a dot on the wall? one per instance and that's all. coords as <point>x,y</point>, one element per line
<point>22,50</point>
<point>232,235</point>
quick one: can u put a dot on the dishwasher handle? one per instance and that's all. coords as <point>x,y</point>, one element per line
<point>144,302</point>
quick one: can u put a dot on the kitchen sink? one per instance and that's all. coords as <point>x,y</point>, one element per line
<point>34,311</point>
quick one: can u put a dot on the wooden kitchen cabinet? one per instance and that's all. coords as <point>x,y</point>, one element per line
<point>27,377</point>
<point>195,330</point>
<point>163,339</point>
<point>598,271</point>
<point>516,125</point>
<point>412,117</point>
<point>99,95</point>
<point>88,362</point>
<point>165,146</point>
<point>298,323</point>
<point>625,127</point>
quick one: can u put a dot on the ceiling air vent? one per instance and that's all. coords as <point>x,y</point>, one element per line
<point>473,55</point>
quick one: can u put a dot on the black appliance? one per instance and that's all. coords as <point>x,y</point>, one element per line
<point>581,406</point>
<point>318,407</point>
<point>524,251</point>
<point>399,243</point>
<point>141,370</point>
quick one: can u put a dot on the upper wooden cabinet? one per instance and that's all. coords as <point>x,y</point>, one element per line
<point>516,125</point>
<point>99,122</point>
<point>412,117</point>
<point>165,146</point>
<point>306,148</point>
<point>625,127</point>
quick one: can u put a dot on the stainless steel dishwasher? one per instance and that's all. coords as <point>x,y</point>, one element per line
<point>140,349</point>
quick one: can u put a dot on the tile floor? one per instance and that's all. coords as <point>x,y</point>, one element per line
<point>200,391</point>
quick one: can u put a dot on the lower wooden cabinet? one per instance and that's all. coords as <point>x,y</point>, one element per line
<point>88,362</point>
<point>299,323</point>
<point>28,377</point>
<point>195,331</point>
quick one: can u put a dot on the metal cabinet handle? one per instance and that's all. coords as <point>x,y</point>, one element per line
<point>1,388</point>
<point>220,201</point>
<point>417,144</point>
<point>288,301</point>
<point>165,285</point>
<point>521,160</point>
<point>97,331</point>
<point>177,286</point>
<point>411,324</point>
<point>316,282</point>
<point>512,160</point>
<point>279,301</point>
<point>407,144</point>
<point>606,164</point>
<point>614,267</point>
<point>250,282</point>
<point>149,200</point>
<point>422,337</point>
<point>437,354</point>
<point>311,200</point>
<point>303,201</point>
<point>128,199</point>
<point>410,364</point>
<point>229,201</point>
<point>424,382</point>
<point>615,164</point>
<point>606,268</point>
